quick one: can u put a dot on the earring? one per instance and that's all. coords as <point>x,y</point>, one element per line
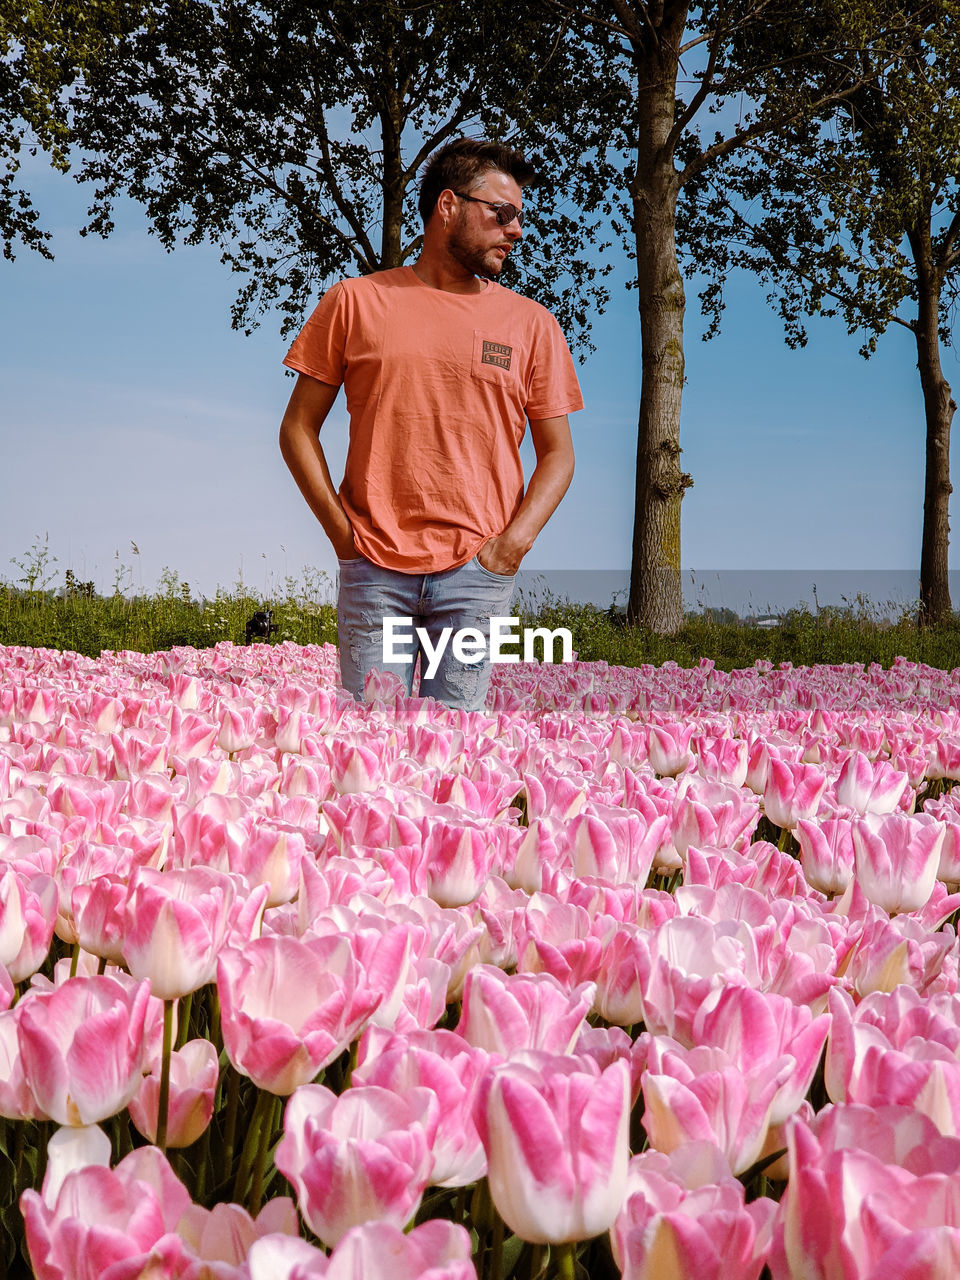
<point>444,224</point>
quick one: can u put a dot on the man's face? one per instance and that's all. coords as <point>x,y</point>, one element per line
<point>478,242</point>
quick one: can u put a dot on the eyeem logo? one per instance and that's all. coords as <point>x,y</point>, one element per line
<point>469,644</point>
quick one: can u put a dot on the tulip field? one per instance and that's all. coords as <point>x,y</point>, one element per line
<point>648,972</point>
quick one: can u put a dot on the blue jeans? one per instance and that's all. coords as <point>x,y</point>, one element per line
<point>468,596</point>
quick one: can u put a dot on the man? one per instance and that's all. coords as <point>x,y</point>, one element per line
<point>442,369</point>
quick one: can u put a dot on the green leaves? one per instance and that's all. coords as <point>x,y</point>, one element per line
<point>291,136</point>
<point>44,48</point>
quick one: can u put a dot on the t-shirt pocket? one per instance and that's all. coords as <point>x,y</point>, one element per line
<point>494,360</point>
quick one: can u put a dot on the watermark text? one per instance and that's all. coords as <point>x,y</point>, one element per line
<point>469,644</point>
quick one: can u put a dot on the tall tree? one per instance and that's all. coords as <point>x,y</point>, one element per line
<point>858,215</point>
<point>290,135</point>
<point>43,48</point>
<point>685,61</point>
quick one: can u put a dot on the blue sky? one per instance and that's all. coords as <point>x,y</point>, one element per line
<point>131,412</point>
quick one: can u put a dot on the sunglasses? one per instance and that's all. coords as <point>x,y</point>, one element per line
<point>505,212</point>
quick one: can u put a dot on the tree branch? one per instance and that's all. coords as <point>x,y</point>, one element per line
<point>764,126</point>
<point>949,254</point>
<point>782,260</point>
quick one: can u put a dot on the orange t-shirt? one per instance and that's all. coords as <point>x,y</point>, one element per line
<point>439,390</point>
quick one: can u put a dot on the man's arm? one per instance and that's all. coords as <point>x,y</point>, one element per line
<point>549,482</point>
<point>306,413</point>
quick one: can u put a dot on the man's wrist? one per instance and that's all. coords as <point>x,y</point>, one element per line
<point>504,553</point>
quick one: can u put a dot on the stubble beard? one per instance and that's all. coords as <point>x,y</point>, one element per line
<point>467,254</point>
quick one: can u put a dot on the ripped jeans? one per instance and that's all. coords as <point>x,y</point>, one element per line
<point>468,596</point>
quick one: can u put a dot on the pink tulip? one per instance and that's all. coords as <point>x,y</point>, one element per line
<point>624,967</point>
<point>239,725</point>
<point>436,1249</point>
<point>139,752</point>
<point>194,1074</point>
<point>290,1006</point>
<point>792,792</point>
<point>458,859</point>
<point>70,1149</point>
<point>219,1239</point>
<point>685,959</point>
<point>362,1156</point>
<point>271,855</point>
<point>28,913</point>
<point>558,938</point>
<point>846,1212</point>
<point>868,787</point>
<point>293,724</point>
<point>353,768</point>
<point>712,813</point>
<point>387,954</point>
<point>895,1049</point>
<point>944,759</point>
<point>897,858</point>
<point>754,1028</point>
<point>105,1222</point>
<point>16,1097</point>
<point>892,952</point>
<point>949,869</point>
<point>82,1047</point>
<point>192,735</point>
<point>424,997</point>
<point>98,914</point>
<point>702,1232</point>
<point>826,853</point>
<point>553,794</point>
<point>617,845</point>
<point>443,1062</point>
<point>669,753</point>
<point>721,759</point>
<point>701,1095</point>
<point>759,755</point>
<point>557,1144</point>
<point>94,801</point>
<point>176,924</point>
<point>504,1014</point>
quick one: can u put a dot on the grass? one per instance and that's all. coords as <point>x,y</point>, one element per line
<point>831,636</point>
<point>76,618</point>
<point>88,623</point>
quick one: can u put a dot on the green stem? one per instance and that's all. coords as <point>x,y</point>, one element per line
<point>251,1144</point>
<point>213,1034</point>
<point>536,1261</point>
<point>230,1121</point>
<point>124,1140</point>
<point>351,1062</point>
<point>260,1164</point>
<point>566,1261</point>
<point>183,1022</point>
<point>75,960</point>
<point>786,839</point>
<point>102,966</point>
<point>496,1249</point>
<point>203,1160</point>
<point>163,1104</point>
<point>460,1206</point>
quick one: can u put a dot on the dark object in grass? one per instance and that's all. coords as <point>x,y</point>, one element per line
<point>260,626</point>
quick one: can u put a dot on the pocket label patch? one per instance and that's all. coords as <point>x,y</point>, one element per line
<point>497,353</point>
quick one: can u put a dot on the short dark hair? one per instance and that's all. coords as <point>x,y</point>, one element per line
<point>461,164</point>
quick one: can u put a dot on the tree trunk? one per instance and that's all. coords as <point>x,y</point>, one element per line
<point>939,408</point>
<point>393,183</point>
<point>656,598</point>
